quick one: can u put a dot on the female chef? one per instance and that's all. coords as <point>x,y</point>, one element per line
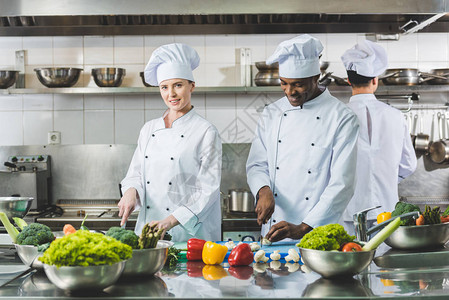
<point>174,175</point>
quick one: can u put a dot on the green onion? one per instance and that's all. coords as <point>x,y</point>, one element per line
<point>382,235</point>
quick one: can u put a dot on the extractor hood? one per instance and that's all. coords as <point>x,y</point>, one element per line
<point>158,17</point>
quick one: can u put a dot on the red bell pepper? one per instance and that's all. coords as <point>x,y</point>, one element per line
<point>241,255</point>
<point>195,249</point>
<point>195,268</point>
<point>241,272</point>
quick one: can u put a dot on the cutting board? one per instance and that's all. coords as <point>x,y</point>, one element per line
<point>282,246</point>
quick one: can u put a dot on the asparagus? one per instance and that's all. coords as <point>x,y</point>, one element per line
<point>149,237</point>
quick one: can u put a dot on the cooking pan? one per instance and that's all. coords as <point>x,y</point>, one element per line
<point>407,77</point>
<point>439,150</point>
<point>440,72</point>
<point>421,139</point>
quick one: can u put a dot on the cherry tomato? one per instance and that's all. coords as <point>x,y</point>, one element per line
<point>351,247</point>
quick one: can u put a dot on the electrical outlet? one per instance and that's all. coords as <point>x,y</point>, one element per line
<point>54,137</point>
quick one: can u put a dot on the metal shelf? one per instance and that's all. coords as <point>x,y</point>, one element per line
<point>217,90</point>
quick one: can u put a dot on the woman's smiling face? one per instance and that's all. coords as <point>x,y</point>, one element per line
<point>177,93</point>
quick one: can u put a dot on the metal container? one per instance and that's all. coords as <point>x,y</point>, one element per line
<point>108,77</point>
<point>8,78</point>
<point>439,72</point>
<point>268,75</point>
<point>240,201</point>
<point>336,264</point>
<point>419,237</point>
<point>84,278</point>
<point>28,254</point>
<point>401,77</point>
<point>142,75</point>
<point>147,261</point>
<point>15,206</point>
<point>58,77</point>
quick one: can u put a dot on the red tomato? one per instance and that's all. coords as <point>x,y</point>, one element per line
<point>351,247</point>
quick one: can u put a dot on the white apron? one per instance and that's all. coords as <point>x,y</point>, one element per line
<point>177,171</point>
<point>307,156</point>
<point>385,156</point>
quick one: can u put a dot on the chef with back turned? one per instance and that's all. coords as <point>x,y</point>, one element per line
<point>302,162</point>
<point>385,154</point>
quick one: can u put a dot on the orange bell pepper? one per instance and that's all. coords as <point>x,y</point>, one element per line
<point>214,272</point>
<point>213,253</point>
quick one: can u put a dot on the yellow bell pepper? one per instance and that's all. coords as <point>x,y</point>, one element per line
<point>213,253</point>
<point>214,272</point>
<point>383,217</point>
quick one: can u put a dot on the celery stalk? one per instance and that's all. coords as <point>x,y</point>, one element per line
<point>382,235</point>
<point>20,222</point>
<point>12,231</point>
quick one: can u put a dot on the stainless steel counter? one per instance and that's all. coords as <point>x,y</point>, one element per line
<point>186,282</point>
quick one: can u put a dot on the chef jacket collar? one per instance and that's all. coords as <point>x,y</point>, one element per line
<point>183,119</point>
<point>309,104</point>
<point>362,98</point>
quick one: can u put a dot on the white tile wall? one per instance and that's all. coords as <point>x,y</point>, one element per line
<point>98,119</point>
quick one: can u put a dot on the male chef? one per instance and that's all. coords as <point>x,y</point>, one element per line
<point>385,154</point>
<point>301,166</point>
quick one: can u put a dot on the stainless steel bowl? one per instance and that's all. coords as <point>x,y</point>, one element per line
<point>419,237</point>
<point>58,77</point>
<point>147,261</point>
<point>15,206</point>
<point>83,278</point>
<point>108,77</point>
<point>335,263</point>
<point>142,75</point>
<point>261,65</point>
<point>8,78</point>
<point>28,254</point>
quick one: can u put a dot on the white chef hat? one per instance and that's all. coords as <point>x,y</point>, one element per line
<point>171,61</point>
<point>366,58</point>
<point>298,57</point>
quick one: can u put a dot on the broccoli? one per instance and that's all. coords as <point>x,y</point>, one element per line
<point>35,234</point>
<point>125,236</point>
<point>327,237</point>
<point>403,208</point>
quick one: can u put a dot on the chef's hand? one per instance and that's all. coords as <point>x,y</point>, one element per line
<point>265,205</point>
<point>166,224</point>
<point>284,230</point>
<point>127,204</point>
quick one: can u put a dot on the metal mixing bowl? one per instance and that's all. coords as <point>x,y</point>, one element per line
<point>419,237</point>
<point>147,261</point>
<point>83,278</point>
<point>27,253</point>
<point>336,263</point>
<point>58,77</point>
<point>8,78</point>
<point>142,75</point>
<point>108,77</point>
<point>15,206</point>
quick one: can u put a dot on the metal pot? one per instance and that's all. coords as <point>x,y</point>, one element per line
<point>421,139</point>
<point>240,200</point>
<point>267,75</point>
<point>440,72</point>
<point>439,150</point>
<point>407,77</point>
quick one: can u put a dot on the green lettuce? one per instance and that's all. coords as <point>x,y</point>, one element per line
<point>327,237</point>
<point>85,248</point>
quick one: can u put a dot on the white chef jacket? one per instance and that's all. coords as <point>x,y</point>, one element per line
<point>177,171</point>
<point>307,156</point>
<point>385,155</point>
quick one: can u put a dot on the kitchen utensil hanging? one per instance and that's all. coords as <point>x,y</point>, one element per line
<point>439,150</point>
<point>412,128</point>
<point>422,139</point>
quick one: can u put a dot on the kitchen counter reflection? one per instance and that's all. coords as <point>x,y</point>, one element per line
<point>270,280</point>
